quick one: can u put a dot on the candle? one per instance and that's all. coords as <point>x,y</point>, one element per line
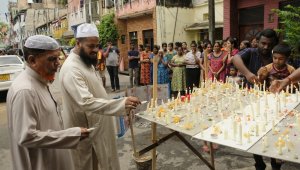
<point>234,124</point>
<point>256,129</point>
<point>287,89</point>
<point>240,133</point>
<point>263,127</point>
<point>273,126</point>
<point>264,85</point>
<point>292,89</point>
<point>264,147</point>
<point>258,106</point>
<point>266,99</point>
<point>297,93</point>
<point>225,134</point>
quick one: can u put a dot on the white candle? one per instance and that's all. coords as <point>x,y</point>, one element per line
<point>264,85</point>
<point>256,129</point>
<point>225,134</point>
<point>266,99</point>
<point>264,147</point>
<point>249,137</point>
<point>287,89</point>
<point>297,93</point>
<point>234,124</point>
<point>292,89</point>
<point>273,126</point>
<point>266,142</point>
<point>263,127</point>
<point>258,106</point>
<point>240,133</point>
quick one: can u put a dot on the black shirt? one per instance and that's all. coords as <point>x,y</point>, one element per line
<point>134,63</point>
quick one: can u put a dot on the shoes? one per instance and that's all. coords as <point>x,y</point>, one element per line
<point>113,90</point>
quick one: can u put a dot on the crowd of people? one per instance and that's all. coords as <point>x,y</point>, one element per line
<point>40,133</point>
<point>180,65</point>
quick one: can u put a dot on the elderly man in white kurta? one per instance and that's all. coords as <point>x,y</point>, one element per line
<point>86,104</point>
<point>38,141</point>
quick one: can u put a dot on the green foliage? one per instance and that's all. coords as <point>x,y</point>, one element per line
<point>72,42</point>
<point>290,19</point>
<point>107,29</point>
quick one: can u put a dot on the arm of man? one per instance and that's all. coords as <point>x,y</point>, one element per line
<point>25,120</point>
<point>278,85</point>
<point>75,84</point>
<point>238,61</point>
<point>106,51</point>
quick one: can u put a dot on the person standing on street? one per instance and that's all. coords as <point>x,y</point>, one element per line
<point>133,58</point>
<point>37,137</point>
<point>101,64</point>
<point>248,62</point>
<point>192,61</point>
<point>86,104</point>
<point>112,64</point>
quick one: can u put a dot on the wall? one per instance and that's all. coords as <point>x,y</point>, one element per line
<point>138,24</point>
<point>135,7</point>
<point>76,15</point>
<point>166,18</point>
<point>229,13</point>
<point>272,4</point>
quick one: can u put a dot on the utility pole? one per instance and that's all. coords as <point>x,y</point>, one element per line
<point>211,14</point>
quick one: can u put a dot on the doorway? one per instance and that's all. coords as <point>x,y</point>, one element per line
<point>148,38</point>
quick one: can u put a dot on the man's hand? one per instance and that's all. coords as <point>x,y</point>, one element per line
<point>132,102</point>
<point>252,78</point>
<point>278,85</point>
<point>84,133</point>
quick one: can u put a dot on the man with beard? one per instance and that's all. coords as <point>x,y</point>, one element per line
<point>85,103</point>
<point>248,62</point>
<point>37,137</point>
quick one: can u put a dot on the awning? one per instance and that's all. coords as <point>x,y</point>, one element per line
<point>202,25</point>
<point>68,34</point>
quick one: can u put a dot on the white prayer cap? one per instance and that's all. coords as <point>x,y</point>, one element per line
<point>87,30</point>
<point>41,42</point>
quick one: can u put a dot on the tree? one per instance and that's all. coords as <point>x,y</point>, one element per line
<point>72,42</point>
<point>290,20</point>
<point>107,29</point>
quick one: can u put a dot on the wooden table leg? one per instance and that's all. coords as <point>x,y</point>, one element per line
<point>212,158</point>
<point>154,149</point>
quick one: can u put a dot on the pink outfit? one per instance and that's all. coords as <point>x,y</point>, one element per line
<point>216,63</point>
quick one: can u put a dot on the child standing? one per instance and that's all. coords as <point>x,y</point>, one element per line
<point>279,69</point>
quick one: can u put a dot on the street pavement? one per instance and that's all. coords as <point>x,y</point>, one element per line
<point>171,155</point>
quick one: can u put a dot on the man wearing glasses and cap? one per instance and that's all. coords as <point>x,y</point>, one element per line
<point>35,125</point>
<point>86,103</point>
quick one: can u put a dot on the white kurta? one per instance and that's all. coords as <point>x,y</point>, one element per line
<point>86,104</point>
<point>35,126</point>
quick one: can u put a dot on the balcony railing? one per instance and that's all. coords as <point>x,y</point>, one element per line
<point>135,7</point>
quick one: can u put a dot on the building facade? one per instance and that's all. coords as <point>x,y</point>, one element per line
<point>150,22</point>
<point>245,18</point>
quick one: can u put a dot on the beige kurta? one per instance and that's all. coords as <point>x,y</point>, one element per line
<point>86,104</point>
<point>35,126</point>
